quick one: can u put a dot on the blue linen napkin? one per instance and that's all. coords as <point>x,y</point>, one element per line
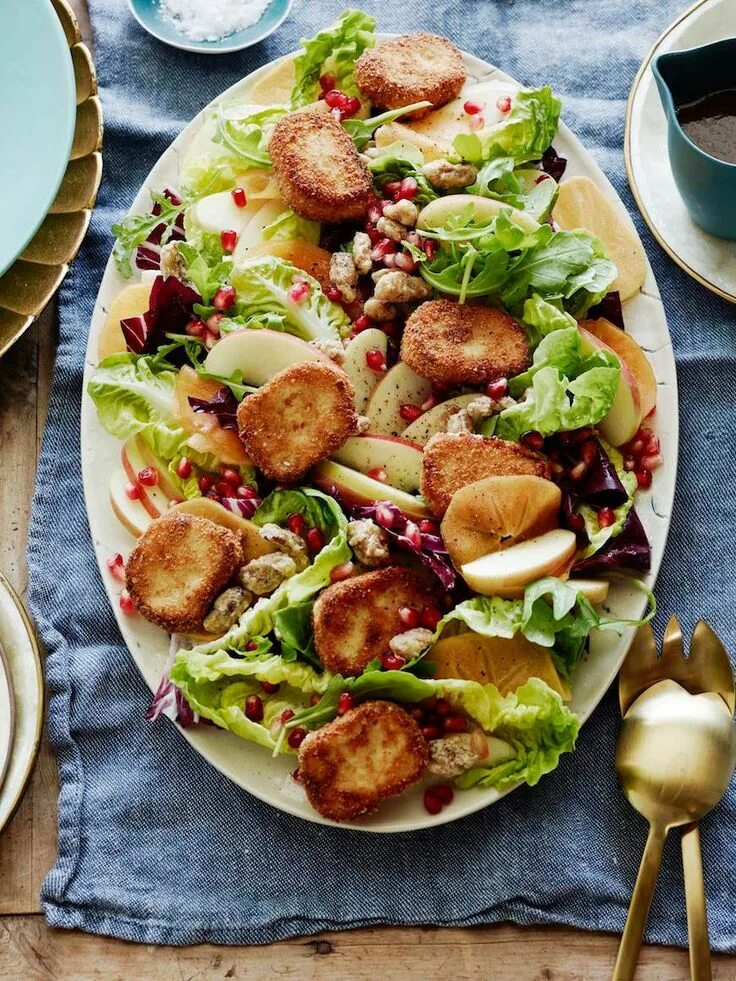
<point>154,844</point>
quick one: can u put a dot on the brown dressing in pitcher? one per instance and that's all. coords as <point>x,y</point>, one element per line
<point>710,122</point>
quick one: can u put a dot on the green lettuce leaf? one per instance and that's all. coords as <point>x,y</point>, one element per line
<point>263,286</point>
<point>334,51</point>
<point>318,510</point>
<point>392,167</point>
<point>289,225</point>
<point>498,179</point>
<point>524,134</point>
<point>542,317</point>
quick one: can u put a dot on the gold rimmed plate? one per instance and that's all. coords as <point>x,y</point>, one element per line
<point>30,283</point>
<point>709,260</point>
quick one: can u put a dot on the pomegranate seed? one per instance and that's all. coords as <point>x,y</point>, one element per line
<point>432,803</point>
<point>644,478</point>
<point>126,603</point>
<point>375,359</point>
<point>213,324</point>
<point>195,328</point>
<point>298,292</point>
<point>384,516</point>
<point>184,468</point>
<point>362,323</point>
<point>269,688</point>
<point>404,262</point>
<point>653,444</point>
<point>497,389</point>
<point>228,240</point>
<point>645,433</point>
<point>350,108</point>
<point>393,662</point>
<point>477,122</point>
<point>429,403</point>
<point>428,527</point>
<point>296,737</point>
<point>223,488</point>
<point>239,197</point>
<point>606,517</point>
<point>327,82</point>
<point>407,189</point>
<point>333,293</point>
<point>472,108</point>
<point>409,412</point>
<point>148,476</point>
<point>251,646</point>
<point>443,792</point>
<point>372,232</point>
<point>429,246</point>
<point>224,298</point>
<point>629,463</point>
<point>651,461</point>
<point>375,211</point>
<point>412,534</point>
<point>431,616</point>
<point>286,715</point>
<point>392,188</point>
<point>503,104</point>
<point>385,247</point>
<point>588,452</point>
<point>116,565</point>
<point>336,99</point>
<point>636,446</point>
<point>576,523</point>
<point>344,703</point>
<point>296,524</point>
<point>389,260</point>
<point>532,440</point>
<point>443,707</point>
<point>409,616</point>
<point>379,474</point>
<point>431,732</point>
<point>245,493</point>
<point>578,471</point>
<point>205,483</point>
<point>341,572</point>
<point>232,477</point>
<point>254,708</point>
<point>133,491</point>
<point>315,540</point>
<point>389,328</point>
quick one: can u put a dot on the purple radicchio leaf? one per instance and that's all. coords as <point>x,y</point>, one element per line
<point>610,308</point>
<point>553,164</point>
<point>223,405</point>
<point>245,507</point>
<point>148,255</point>
<point>169,311</point>
<point>601,487</point>
<point>629,550</point>
<point>169,701</point>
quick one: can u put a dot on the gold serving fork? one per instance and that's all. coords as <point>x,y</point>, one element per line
<point>675,758</point>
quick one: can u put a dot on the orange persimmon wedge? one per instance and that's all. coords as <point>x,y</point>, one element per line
<point>207,434</point>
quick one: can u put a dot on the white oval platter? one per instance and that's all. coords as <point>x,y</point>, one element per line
<point>249,765</point>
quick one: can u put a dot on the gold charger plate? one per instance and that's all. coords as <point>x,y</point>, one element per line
<point>32,280</point>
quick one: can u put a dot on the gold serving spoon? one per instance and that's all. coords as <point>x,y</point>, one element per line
<point>675,758</point>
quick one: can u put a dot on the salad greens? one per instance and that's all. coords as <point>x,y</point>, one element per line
<point>397,162</point>
<point>333,51</point>
<point>598,535</point>
<point>133,231</point>
<point>524,133</point>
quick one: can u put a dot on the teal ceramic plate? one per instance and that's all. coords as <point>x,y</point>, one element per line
<point>149,16</point>
<point>38,107</point>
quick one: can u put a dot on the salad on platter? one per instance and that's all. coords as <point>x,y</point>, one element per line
<point>382,427</point>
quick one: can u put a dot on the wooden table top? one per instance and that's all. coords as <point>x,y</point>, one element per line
<point>30,949</point>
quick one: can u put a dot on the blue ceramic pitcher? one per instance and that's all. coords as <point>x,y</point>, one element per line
<point>707,185</point>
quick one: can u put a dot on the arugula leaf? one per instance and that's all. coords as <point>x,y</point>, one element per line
<point>334,51</point>
<point>246,131</point>
<point>362,130</point>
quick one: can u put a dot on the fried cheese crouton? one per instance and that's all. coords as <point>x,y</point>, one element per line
<point>299,417</point>
<point>453,460</point>
<point>318,170</point>
<point>412,68</point>
<point>458,343</point>
<point>178,567</point>
<point>359,759</point>
<point>355,620</point>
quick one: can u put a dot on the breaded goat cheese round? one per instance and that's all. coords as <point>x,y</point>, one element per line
<point>411,68</point>
<point>359,759</point>
<point>452,343</point>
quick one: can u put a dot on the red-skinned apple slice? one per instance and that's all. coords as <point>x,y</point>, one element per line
<point>505,572</point>
<point>399,386</point>
<point>434,420</point>
<point>622,420</point>
<point>145,456</point>
<point>259,354</point>
<point>401,459</point>
<point>358,489</point>
<point>628,351</point>
<point>153,499</point>
<point>365,380</point>
<point>131,514</point>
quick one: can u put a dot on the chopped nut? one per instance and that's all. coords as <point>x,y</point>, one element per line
<point>411,642</point>
<point>266,573</point>
<point>287,542</point>
<point>453,755</point>
<point>344,275</point>
<point>369,542</point>
<point>333,349</point>
<point>391,229</point>
<point>375,276</point>
<point>459,422</point>
<point>445,175</point>
<point>363,425</point>
<point>480,408</point>
<point>172,261</point>
<point>226,610</point>
<point>400,287</point>
<point>377,310</point>
<point>362,253</point>
<point>405,212</point>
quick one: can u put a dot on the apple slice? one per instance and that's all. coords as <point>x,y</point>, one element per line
<point>622,420</point>
<point>505,572</point>
<point>251,235</point>
<point>132,301</point>
<point>594,590</point>
<point>438,212</point>
<point>154,499</point>
<point>399,386</point>
<point>357,488</point>
<point>140,455</point>
<point>365,380</point>
<point>434,420</point>
<point>401,459</point>
<point>219,213</point>
<point>131,514</point>
<point>259,354</point>
<point>629,352</point>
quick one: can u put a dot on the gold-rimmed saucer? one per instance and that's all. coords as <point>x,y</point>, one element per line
<point>32,280</point>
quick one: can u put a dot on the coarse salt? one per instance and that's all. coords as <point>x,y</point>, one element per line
<point>212,20</point>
